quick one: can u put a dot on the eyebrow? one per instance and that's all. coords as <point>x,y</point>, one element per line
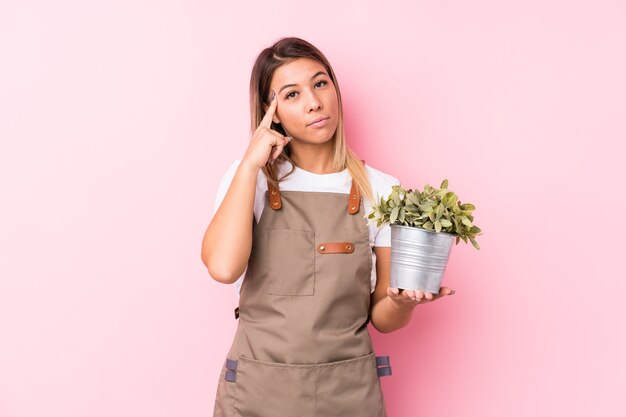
<point>293,85</point>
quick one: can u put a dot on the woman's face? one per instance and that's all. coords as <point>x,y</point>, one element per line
<point>305,93</point>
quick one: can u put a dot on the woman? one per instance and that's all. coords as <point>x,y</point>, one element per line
<point>290,230</point>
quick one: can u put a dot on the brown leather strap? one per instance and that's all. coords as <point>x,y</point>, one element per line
<point>275,201</point>
<point>354,201</point>
<point>335,247</point>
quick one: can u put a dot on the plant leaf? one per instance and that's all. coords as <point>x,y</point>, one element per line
<point>445,223</point>
<point>452,199</point>
<point>412,198</point>
<point>439,211</point>
<point>394,215</point>
<point>425,207</point>
<point>396,198</point>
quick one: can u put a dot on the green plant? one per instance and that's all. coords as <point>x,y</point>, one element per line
<point>437,209</point>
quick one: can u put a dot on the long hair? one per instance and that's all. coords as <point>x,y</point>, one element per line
<point>282,52</point>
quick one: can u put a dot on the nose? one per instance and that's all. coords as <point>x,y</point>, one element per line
<point>315,103</point>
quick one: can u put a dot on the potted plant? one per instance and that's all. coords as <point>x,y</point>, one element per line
<point>423,226</point>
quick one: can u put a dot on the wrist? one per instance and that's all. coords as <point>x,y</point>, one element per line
<point>249,167</point>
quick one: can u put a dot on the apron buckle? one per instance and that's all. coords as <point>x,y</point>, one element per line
<point>383,366</point>
<point>231,370</point>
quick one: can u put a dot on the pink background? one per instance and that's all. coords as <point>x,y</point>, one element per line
<point>118,119</point>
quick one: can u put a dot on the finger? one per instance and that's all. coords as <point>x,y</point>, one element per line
<point>393,292</point>
<point>407,295</point>
<point>275,153</point>
<point>445,291</point>
<point>278,148</point>
<point>267,119</point>
<point>442,292</point>
<point>399,294</point>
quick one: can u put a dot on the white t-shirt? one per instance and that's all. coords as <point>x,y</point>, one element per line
<point>337,182</point>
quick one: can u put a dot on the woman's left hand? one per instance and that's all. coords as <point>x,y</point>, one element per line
<point>414,297</point>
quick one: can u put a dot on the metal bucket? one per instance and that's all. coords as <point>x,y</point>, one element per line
<point>419,258</point>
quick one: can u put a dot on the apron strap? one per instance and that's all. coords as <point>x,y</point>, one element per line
<point>382,360</point>
<point>275,201</point>
<point>384,371</point>
<point>230,376</point>
<point>383,366</point>
<point>231,364</point>
<point>231,370</point>
<point>354,201</point>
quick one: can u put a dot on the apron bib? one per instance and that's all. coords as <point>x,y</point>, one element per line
<point>302,348</point>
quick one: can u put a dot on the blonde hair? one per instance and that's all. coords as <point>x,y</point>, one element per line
<point>282,52</point>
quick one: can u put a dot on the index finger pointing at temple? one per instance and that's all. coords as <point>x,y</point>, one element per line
<point>267,119</point>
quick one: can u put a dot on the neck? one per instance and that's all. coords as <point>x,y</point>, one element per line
<point>316,158</point>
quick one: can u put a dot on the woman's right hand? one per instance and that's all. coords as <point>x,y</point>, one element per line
<point>266,144</point>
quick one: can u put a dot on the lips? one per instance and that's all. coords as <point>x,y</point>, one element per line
<point>317,120</point>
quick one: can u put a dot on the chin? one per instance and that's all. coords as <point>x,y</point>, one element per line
<point>321,141</point>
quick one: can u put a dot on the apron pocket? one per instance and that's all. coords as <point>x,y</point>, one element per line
<point>291,262</point>
<point>268,389</point>
<point>350,388</point>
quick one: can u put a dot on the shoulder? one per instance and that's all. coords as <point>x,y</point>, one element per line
<point>380,181</point>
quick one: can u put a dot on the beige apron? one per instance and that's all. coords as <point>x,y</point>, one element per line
<point>302,348</point>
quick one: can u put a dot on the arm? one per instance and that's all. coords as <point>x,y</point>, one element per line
<point>386,314</point>
<point>227,242</point>
<point>390,309</point>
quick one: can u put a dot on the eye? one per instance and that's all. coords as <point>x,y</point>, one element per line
<point>289,95</point>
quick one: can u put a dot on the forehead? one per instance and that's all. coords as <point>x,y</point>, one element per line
<point>298,71</point>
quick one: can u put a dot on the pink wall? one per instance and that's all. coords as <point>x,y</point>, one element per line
<point>118,118</point>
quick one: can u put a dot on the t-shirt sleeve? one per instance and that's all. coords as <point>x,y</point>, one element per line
<point>227,178</point>
<point>383,237</point>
